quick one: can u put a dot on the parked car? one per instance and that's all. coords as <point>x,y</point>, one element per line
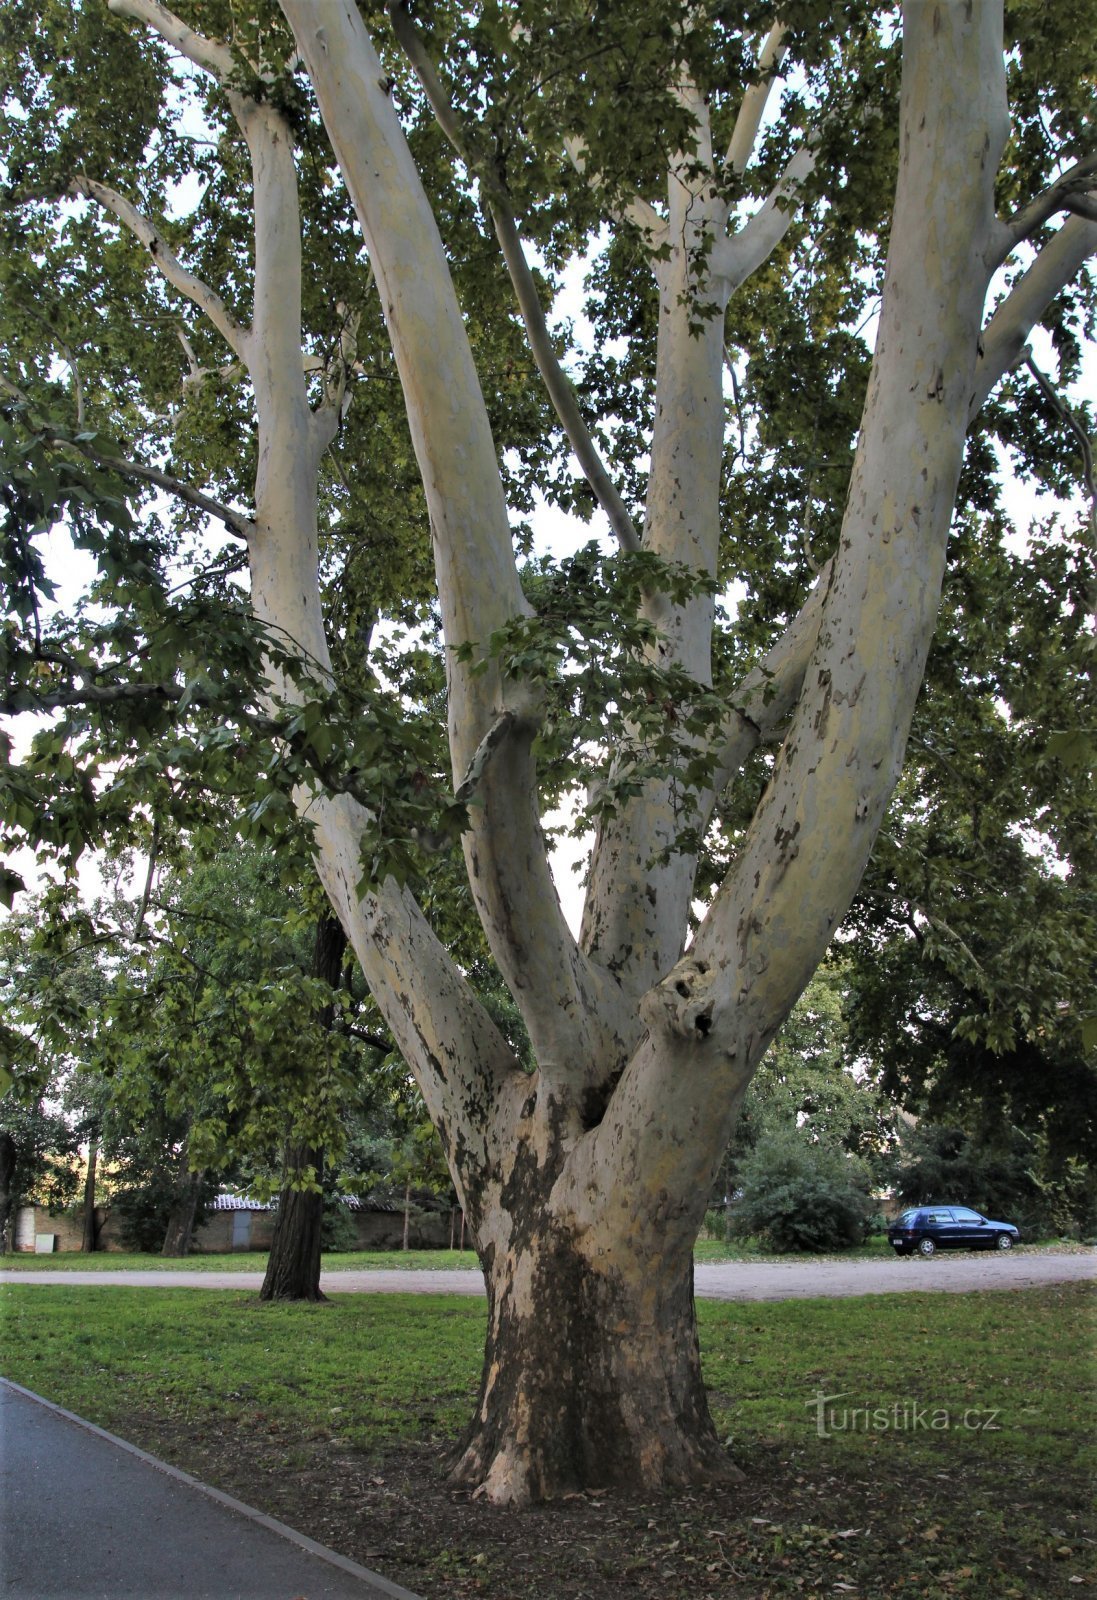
<point>931,1228</point>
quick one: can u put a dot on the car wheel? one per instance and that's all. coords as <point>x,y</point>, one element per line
<point>1005,1241</point>
<point>926,1247</point>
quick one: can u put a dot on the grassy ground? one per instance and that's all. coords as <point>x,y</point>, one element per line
<point>954,1457</point>
<point>240,1261</point>
<point>874,1249</point>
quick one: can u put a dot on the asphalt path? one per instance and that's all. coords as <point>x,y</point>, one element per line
<point>830,1278</point>
<point>88,1516</point>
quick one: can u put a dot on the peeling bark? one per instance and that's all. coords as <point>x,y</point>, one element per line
<point>592,1378</point>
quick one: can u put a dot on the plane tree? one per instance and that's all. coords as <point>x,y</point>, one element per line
<point>295,267</point>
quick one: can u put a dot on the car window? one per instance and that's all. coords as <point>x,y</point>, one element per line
<point>965,1214</point>
<point>908,1219</point>
<point>938,1216</point>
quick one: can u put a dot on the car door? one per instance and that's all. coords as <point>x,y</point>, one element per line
<point>971,1227</point>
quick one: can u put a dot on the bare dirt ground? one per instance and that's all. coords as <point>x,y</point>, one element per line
<point>955,1272</point>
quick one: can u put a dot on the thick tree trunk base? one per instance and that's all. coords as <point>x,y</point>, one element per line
<point>293,1266</point>
<point>592,1379</point>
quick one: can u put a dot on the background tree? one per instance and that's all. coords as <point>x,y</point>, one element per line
<point>756,193</point>
<point>37,1162</point>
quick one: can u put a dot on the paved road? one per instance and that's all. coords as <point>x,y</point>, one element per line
<point>730,1280</point>
<point>89,1517</point>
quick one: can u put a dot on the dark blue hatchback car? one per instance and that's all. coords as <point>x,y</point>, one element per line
<point>931,1228</point>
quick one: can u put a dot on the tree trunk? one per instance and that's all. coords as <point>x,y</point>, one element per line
<point>7,1189</point>
<point>177,1237</point>
<point>592,1378</point>
<point>293,1266</point>
<point>406,1245</point>
<point>90,1240</point>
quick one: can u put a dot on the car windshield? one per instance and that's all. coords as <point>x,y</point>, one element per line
<point>907,1218</point>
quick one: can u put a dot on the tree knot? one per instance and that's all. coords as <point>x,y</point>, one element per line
<point>684,1002</point>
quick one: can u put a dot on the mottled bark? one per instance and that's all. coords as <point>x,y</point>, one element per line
<point>592,1377</point>
<point>585,1182</point>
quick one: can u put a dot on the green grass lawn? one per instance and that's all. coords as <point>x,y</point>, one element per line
<point>240,1261</point>
<point>957,1459</point>
<point>706,1250</point>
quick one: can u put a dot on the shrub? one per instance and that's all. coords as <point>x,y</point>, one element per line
<point>714,1225</point>
<point>802,1196</point>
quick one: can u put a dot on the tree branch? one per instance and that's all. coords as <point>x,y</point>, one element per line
<point>375,1041</point>
<point>1083,205</point>
<point>742,254</point>
<point>1006,335</point>
<point>474,776</point>
<point>642,215</point>
<point>235,521</point>
<point>767,695</point>
<point>478,584</point>
<point>167,264</point>
<point>559,387</point>
<point>1071,192</point>
<point>1047,388</point>
<point>754,103</point>
<point>211,55</point>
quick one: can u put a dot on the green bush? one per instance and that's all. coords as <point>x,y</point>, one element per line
<point>802,1196</point>
<point>714,1225</point>
<point>337,1230</point>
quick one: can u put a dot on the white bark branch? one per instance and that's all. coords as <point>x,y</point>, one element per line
<point>478,584</point>
<point>753,107</point>
<point>748,249</point>
<point>637,211</point>
<point>1006,335</point>
<point>166,262</point>
<point>1071,192</point>
<point>768,694</point>
<point>805,851</point>
<point>556,381</point>
<point>211,55</point>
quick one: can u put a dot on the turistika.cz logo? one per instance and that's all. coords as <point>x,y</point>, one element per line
<point>903,1416</point>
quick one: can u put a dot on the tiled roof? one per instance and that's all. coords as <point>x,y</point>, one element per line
<point>238,1202</point>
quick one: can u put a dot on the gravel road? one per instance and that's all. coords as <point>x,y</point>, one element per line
<point>731,1280</point>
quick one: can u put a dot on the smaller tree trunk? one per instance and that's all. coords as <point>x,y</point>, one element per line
<point>293,1266</point>
<point>407,1215</point>
<point>180,1229</point>
<point>90,1240</point>
<point>7,1189</point>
